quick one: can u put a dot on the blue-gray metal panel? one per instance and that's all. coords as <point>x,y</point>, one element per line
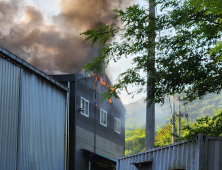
<point>9,99</point>
<point>41,143</point>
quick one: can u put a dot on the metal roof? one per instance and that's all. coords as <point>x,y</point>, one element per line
<point>22,63</point>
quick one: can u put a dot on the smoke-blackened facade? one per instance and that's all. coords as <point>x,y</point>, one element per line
<point>96,128</point>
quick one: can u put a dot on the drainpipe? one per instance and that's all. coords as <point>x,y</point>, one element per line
<point>67,129</point>
<point>95,119</point>
<point>89,165</point>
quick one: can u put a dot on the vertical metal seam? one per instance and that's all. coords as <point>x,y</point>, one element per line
<point>95,121</point>
<point>5,122</point>
<point>19,112</point>
<point>75,143</point>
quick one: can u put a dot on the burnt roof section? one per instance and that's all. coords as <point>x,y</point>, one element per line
<point>22,63</point>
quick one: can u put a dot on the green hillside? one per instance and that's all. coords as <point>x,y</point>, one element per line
<point>136,111</point>
<point>212,125</point>
<point>135,119</point>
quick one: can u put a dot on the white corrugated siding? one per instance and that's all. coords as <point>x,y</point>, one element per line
<point>41,143</point>
<point>9,100</point>
<point>169,157</point>
<point>205,153</point>
<point>214,153</point>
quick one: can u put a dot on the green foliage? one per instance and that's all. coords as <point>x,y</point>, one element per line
<point>135,141</point>
<point>167,138</point>
<point>211,7</point>
<point>188,61</point>
<point>206,125</point>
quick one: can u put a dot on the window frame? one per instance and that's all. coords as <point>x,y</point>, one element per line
<point>101,117</point>
<point>115,122</point>
<point>83,113</point>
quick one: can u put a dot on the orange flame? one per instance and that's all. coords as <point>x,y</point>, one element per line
<point>108,86</point>
<point>103,82</point>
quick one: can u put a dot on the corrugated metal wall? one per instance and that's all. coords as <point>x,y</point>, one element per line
<point>41,143</point>
<point>32,120</point>
<point>164,158</point>
<point>214,153</point>
<point>9,100</point>
<point>205,153</point>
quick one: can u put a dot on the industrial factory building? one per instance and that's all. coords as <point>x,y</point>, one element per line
<point>47,125</point>
<point>97,128</point>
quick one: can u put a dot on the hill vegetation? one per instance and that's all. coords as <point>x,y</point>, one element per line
<point>136,111</point>
<point>135,139</point>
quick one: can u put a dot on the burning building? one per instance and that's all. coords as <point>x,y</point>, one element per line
<point>47,125</point>
<point>96,128</point>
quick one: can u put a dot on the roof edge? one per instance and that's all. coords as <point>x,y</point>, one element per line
<point>22,63</point>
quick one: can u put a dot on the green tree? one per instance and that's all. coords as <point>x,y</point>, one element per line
<point>187,60</point>
<point>135,141</point>
<point>206,125</point>
<point>167,137</point>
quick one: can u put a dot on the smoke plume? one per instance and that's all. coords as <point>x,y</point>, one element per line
<point>54,47</point>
